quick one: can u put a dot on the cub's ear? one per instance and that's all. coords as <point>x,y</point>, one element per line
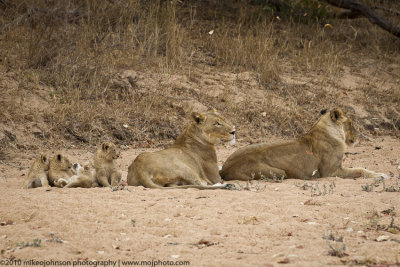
<point>59,157</point>
<point>336,114</point>
<point>212,110</point>
<point>105,146</point>
<point>198,117</point>
<point>44,159</point>
<point>324,111</point>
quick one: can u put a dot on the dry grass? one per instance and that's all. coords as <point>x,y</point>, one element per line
<point>73,51</point>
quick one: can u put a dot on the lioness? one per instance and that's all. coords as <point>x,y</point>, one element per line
<point>104,164</point>
<point>37,175</point>
<point>60,170</point>
<point>85,177</point>
<point>319,152</point>
<point>191,162</point>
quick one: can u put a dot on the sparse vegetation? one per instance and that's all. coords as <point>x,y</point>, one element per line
<point>336,245</point>
<point>124,70</point>
<point>315,189</point>
<point>375,221</point>
<point>35,243</point>
<point>395,187</point>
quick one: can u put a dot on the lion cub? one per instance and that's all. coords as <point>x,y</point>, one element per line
<point>37,175</point>
<point>85,177</point>
<point>104,164</point>
<point>60,170</point>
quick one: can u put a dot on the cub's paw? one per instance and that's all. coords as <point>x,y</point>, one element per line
<point>61,182</point>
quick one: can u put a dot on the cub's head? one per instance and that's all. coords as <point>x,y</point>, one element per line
<point>61,162</point>
<point>108,150</point>
<point>41,163</point>
<point>214,127</point>
<point>84,170</point>
<point>338,120</point>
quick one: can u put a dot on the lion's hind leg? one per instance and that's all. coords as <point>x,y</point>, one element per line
<point>265,171</point>
<point>358,172</point>
<point>115,178</point>
<point>102,178</point>
<point>258,171</point>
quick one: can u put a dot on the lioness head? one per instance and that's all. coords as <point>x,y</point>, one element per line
<point>214,127</point>
<point>109,151</point>
<point>339,120</point>
<point>62,163</point>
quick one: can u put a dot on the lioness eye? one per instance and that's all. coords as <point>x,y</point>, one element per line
<point>218,123</point>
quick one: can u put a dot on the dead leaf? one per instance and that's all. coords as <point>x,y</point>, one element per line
<point>205,243</point>
<point>8,222</point>
<point>250,220</point>
<point>284,261</point>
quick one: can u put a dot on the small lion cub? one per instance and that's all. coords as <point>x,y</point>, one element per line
<point>37,175</point>
<point>60,170</point>
<point>85,177</point>
<point>104,164</point>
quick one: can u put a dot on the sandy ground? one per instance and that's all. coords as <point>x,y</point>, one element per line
<point>264,224</point>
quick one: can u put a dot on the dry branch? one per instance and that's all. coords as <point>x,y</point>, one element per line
<point>367,12</point>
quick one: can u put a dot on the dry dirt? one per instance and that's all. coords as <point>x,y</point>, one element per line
<point>263,224</point>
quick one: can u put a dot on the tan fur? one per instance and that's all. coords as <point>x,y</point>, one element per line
<point>85,177</point>
<point>317,154</point>
<point>60,170</point>
<point>37,175</point>
<point>104,164</point>
<point>191,162</point>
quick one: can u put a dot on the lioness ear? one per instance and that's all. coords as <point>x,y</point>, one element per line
<point>59,157</point>
<point>198,117</point>
<point>105,146</point>
<point>336,114</point>
<point>44,158</point>
<point>324,111</point>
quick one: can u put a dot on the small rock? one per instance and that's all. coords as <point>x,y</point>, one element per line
<point>382,238</point>
<point>175,256</point>
<point>349,229</point>
<point>264,114</point>
<point>101,252</point>
<point>167,236</point>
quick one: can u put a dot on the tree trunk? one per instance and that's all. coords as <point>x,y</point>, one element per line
<point>370,14</point>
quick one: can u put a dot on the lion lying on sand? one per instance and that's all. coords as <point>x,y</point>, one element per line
<point>317,154</point>
<point>191,162</point>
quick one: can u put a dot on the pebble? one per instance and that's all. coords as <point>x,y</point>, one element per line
<point>382,238</point>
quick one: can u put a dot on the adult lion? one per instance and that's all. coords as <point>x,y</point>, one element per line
<point>191,162</point>
<point>317,154</point>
